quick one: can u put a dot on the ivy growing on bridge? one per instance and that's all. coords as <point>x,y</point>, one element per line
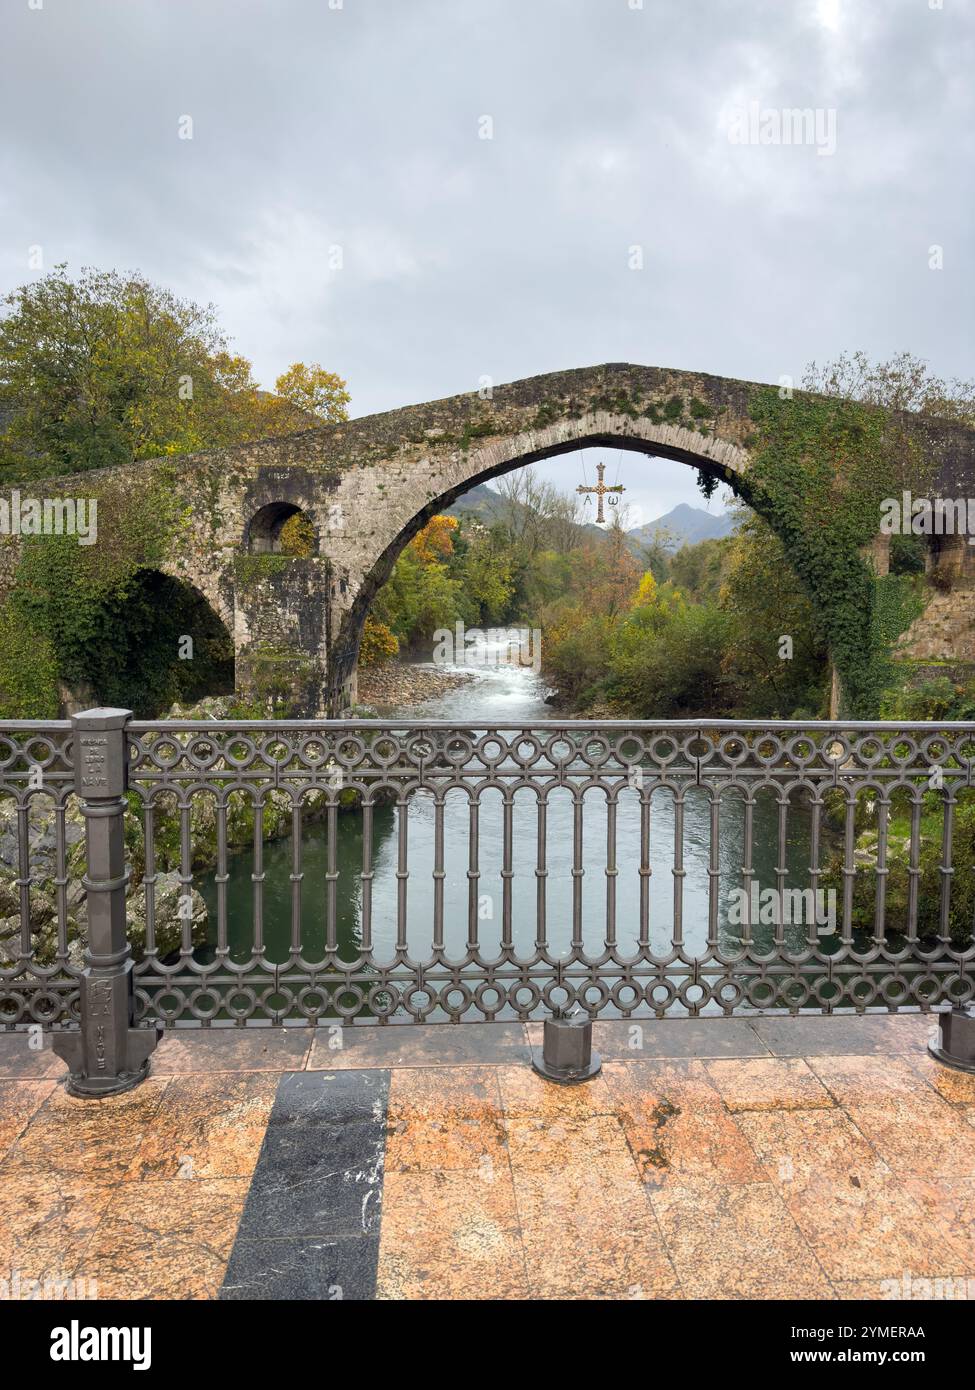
<point>101,617</point>
<point>821,467</point>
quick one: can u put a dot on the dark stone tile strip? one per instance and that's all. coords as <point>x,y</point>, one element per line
<point>310,1227</point>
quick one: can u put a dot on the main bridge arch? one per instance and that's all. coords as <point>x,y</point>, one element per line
<point>714,456</point>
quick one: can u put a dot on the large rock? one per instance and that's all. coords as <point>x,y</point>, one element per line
<point>171,916</point>
<point>43,925</point>
<point>42,839</point>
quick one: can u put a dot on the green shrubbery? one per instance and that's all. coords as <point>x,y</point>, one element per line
<point>931,880</point>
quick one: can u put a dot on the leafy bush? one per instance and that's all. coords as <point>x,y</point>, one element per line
<point>378,643</point>
<point>937,698</point>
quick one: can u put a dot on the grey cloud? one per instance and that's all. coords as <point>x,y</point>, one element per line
<point>462,257</point>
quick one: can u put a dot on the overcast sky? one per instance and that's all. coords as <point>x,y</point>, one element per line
<point>613,127</point>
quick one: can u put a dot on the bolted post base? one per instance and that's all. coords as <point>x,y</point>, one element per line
<point>567,1056</point>
<point>955,1046</point>
<point>89,1082</point>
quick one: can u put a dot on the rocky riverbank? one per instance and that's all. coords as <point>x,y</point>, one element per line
<point>173,906</point>
<point>398,685</point>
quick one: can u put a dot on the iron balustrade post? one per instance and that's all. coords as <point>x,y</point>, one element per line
<point>567,1055</point>
<point>108,1054</point>
<point>955,1045</point>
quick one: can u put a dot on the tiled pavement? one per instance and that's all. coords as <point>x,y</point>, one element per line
<point>771,1158</point>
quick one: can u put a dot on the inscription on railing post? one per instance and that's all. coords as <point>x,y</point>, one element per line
<point>108,1054</point>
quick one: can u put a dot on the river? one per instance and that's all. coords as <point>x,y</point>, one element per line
<point>510,694</point>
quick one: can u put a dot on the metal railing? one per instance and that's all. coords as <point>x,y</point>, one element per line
<point>476,874</point>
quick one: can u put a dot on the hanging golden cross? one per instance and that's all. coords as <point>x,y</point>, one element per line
<point>601,490</point>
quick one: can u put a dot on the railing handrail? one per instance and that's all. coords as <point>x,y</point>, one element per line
<point>141,726</point>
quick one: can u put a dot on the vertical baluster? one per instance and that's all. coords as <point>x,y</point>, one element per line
<point>541,872</point>
<point>61,880</point>
<point>402,870</point>
<point>781,867</point>
<point>914,868</point>
<point>222,877</point>
<point>439,874</point>
<point>296,877</point>
<point>257,878</point>
<point>332,875</point>
<point>714,867</point>
<point>149,878</point>
<point>849,868</point>
<point>366,875</point>
<point>946,868</point>
<point>880,908</point>
<point>578,870</point>
<point>816,805</point>
<point>186,872</point>
<point>646,871</point>
<point>23,877</point>
<point>678,871</point>
<point>747,866</point>
<point>473,871</point>
<point>507,871</point>
<point>611,869</point>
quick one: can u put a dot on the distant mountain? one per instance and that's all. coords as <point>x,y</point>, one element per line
<point>486,505</point>
<point>481,501</point>
<point>687,525</point>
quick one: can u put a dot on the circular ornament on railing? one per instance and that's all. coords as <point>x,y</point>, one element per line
<point>732,749</point>
<point>385,750</point>
<point>172,1011</point>
<point>307,996</point>
<point>534,750</point>
<point>347,1000</point>
<point>594,750</point>
<point>203,752</point>
<point>411,998</point>
<point>165,753</point>
<point>458,749</point>
<point>383,1000</point>
<point>351,750</point>
<point>203,1011</point>
<point>801,749</point>
<point>869,750</point>
<point>768,749</point>
<point>237,755</point>
<point>420,748</point>
<point>480,996</point>
<point>491,749</point>
<point>560,749</point>
<point>312,751</point>
<point>626,1004</point>
<point>248,995</point>
<point>456,1010</point>
<point>12,1006</point>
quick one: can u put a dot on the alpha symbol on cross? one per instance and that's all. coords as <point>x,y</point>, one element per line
<point>601,491</point>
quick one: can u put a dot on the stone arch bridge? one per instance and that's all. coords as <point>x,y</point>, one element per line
<point>368,485</point>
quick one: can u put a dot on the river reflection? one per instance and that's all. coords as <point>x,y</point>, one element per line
<point>511,695</point>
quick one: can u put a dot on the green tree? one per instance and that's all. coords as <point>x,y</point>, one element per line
<point>776,656</point>
<point>107,368</point>
<point>699,570</point>
<point>315,392</point>
<point>486,574</point>
<point>903,382</point>
<point>666,660</point>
